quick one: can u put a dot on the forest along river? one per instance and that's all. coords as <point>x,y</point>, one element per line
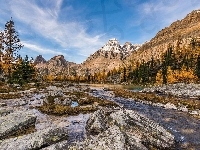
<point>185,128</point>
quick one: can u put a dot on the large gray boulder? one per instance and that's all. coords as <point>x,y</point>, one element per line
<point>54,91</point>
<point>14,122</point>
<point>5,111</point>
<point>111,139</point>
<point>97,123</point>
<point>149,131</point>
<point>36,140</point>
<point>58,146</point>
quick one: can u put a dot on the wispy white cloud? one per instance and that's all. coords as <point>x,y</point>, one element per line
<point>45,22</point>
<point>167,10</point>
<point>40,49</point>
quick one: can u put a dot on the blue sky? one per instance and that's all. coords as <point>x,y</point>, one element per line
<point>78,28</point>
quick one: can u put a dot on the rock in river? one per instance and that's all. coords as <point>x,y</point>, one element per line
<point>111,139</point>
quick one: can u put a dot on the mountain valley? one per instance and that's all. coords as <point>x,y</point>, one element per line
<point>179,35</point>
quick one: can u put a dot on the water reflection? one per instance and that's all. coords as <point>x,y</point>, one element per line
<point>74,104</point>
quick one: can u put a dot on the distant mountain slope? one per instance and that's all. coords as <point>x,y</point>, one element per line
<point>183,30</point>
<point>55,66</point>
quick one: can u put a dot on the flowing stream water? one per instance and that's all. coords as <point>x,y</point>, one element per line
<point>185,128</point>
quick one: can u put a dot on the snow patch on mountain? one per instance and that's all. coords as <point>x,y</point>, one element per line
<point>113,45</point>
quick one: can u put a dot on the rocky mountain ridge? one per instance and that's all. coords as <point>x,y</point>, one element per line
<point>55,66</point>
<point>181,30</point>
<point>111,55</point>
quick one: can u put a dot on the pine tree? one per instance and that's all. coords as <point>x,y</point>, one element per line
<point>108,74</point>
<point>1,54</point>
<point>144,70</point>
<point>152,70</point>
<point>198,67</point>
<point>164,72</point>
<point>87,75</point>
<point>24,72</point>
<point>1,44</point>
<point>9,45</point>
<point>124,74</point>
<point>11,38</point>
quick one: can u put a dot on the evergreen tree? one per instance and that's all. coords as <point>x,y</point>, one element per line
<point>1,43</point>
<point>152,70</point>
<point>11,40</point>
<point>144,72</point>
<point>198,67</point>
<point>124,74</point>
<point>164,72</point>
<point>24,72</point>
<point>9,45</point>
<point>1,53</point>
<point>193,43</point>
<point>168,56</point>
<point>87,75</point>
<point>108,74</point>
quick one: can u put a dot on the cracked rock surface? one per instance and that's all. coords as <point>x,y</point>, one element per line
<point>15,121</point>
<point>34,140</point>
<point>124,129</point>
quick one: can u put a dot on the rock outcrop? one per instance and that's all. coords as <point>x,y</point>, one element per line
<point>111,139</point>
<point>55,66</point>
<point>4,112</point>
<point>125,129</point>
<point>97,122</point>
<point>39,60</point>
<point>15,121</point>
<point>36,140</point>
<point>58,146</point>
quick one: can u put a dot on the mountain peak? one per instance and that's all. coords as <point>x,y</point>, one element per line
<point>58,60</point>
<point>39,60</point>
<point>58,57</point>
<point>112,45</point>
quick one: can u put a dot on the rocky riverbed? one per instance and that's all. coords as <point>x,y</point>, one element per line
<point>130,125</point>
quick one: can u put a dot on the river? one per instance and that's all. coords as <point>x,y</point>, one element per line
<point>185,128</point>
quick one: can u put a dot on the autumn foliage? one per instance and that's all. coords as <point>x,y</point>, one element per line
<point>13,68</point>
